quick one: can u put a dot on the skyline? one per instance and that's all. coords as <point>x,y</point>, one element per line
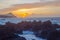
<point>38,8</point>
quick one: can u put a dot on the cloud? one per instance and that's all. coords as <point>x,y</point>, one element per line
<point>15,6</point>
<point>7,3</point>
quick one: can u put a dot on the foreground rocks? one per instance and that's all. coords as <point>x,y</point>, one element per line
<point>54,35</point>
<point>42,34</point>
<point>49,35</point>
<point>41,29</point>
<point>8,34</point>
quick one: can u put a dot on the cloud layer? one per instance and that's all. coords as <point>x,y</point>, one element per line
<point>50,7</point>
<point>8,3</point>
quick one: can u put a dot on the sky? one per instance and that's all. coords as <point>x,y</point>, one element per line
<point>37,8</point>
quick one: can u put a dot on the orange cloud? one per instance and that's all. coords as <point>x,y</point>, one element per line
<point>40,7</point>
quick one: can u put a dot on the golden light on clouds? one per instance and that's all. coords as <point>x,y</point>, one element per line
<point>22,13</point>
<point>38,12</point>
<point>31,8</point>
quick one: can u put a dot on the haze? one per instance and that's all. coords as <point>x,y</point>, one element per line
<point>35,8</point>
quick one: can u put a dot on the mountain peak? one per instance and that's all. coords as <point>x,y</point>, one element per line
<point>9,15</point>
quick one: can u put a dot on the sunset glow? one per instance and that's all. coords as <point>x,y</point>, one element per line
<point>22,13</point>
<point>30,8</point>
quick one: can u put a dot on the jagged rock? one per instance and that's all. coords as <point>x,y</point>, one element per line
<point>54,35</point>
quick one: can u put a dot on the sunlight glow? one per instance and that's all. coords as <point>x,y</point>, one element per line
<point>22,13</point>
<point>23,10</point>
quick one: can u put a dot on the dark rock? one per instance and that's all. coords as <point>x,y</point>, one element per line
<point>42,34</point>
<point>54,35</point>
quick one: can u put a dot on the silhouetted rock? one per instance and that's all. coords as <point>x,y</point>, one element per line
<point>47,25</point>
<point>54,35</point>
<point>22,38</point>
<point>8,34</point>
<point>9,15</point>
<point>14,27</point>
<point>40,29</point>
<point>42,34</point>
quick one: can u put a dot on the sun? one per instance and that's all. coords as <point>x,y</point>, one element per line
<point>22,13</point>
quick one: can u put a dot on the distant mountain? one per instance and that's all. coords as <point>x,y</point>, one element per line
<point>9,15</point>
